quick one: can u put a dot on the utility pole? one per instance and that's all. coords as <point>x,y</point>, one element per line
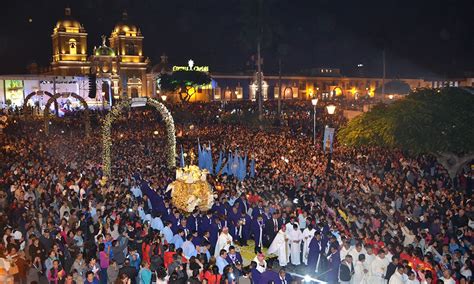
<point>279,90</point>
<point>259,83</point>
<point>383,75</point>
<point>259,61</point>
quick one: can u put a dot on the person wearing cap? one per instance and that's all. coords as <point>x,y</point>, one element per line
<point>280,247</point>
<point>261,263</point>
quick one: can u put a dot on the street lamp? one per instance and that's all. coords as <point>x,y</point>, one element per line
<point>163,98</point>
<point>331,109</point>
<point>314,102</point>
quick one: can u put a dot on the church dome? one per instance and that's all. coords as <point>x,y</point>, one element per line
<point>68,23</point>
<point>126,28</point>
<point>104,51</point>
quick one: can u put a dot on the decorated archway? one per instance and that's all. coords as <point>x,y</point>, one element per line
<point>38,93</point>
<point>66,95</point>
<point>116,112</point>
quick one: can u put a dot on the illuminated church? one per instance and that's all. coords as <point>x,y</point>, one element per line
<point>122,64</point>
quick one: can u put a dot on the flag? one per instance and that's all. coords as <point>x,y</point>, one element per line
<point>252,168</point>
<point>210,163</point>
<point>244,167</point>
<point>181,158</point>
<point>219,162</point>
<point>225,168</point>
<point>204,153</point>
<point>235,165</point>
<point>199,155</point>
<point>229,164</point>
<point>328,139</point>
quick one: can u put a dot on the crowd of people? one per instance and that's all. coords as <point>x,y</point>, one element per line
<point>374,216</point>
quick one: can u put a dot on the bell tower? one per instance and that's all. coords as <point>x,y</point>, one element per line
<point>127,41</point>
<point>69,41</point>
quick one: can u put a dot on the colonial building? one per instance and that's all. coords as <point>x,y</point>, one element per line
<point>122,65</point>
<point>69,41</point>
<point>123,71</point>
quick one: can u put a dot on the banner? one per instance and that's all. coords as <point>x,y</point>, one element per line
<point>328,139</point>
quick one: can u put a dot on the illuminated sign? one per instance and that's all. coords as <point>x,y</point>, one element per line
<point>14,92</point>
<point>191,67</point>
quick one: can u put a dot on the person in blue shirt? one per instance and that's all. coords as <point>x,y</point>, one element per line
<point>145,273</point>
<point>221,261</point>
<point>205,249</point>
<point>189,249</point>
<point>167,233</point>
<point>178,239</point>
<point>156,223</point>
<point>90,278</point>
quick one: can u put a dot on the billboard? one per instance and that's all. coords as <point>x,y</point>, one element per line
<point>14,94</point>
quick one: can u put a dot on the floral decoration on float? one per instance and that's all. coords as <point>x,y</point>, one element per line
<point>191,190</point>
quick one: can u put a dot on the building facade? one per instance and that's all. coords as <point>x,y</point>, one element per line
<point>123,71</point>
<point>122,65</point>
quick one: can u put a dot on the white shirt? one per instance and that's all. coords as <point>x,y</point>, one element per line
<point>345,252</point>
<point>448,281</point>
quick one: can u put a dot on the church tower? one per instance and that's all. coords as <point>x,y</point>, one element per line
<point>127,41</point>
<point>69,40</point>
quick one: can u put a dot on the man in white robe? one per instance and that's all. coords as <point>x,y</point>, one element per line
<point>223,242</point>
<point>357,250</point>
<point>280,247</point>
<point>360,271</point>
<point>308,234</point>
<point>345,248</point>
<point>397,277</point>
<point>295,238</point>
<point>378,268</point>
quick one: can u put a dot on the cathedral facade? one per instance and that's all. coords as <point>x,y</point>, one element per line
<point>121,65</point>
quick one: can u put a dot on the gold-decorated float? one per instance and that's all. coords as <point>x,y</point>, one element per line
<point>191,190</point>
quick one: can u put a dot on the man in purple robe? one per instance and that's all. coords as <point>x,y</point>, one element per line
<point>317,246</point>
<point>334,262</point>
<point>269,275</point>
<point>258,228</point>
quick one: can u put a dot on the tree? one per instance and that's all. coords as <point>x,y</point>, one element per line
<point>437,122</point>
<point>184,83</point>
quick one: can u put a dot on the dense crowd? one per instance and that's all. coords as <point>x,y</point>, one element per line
<point>374,216</point>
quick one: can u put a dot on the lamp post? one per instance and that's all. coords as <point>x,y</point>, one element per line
<point>314,102</point>
<point>163,98</point>
<point>331,109</point>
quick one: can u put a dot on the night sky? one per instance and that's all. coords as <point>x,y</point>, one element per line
<point>422,38</point>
